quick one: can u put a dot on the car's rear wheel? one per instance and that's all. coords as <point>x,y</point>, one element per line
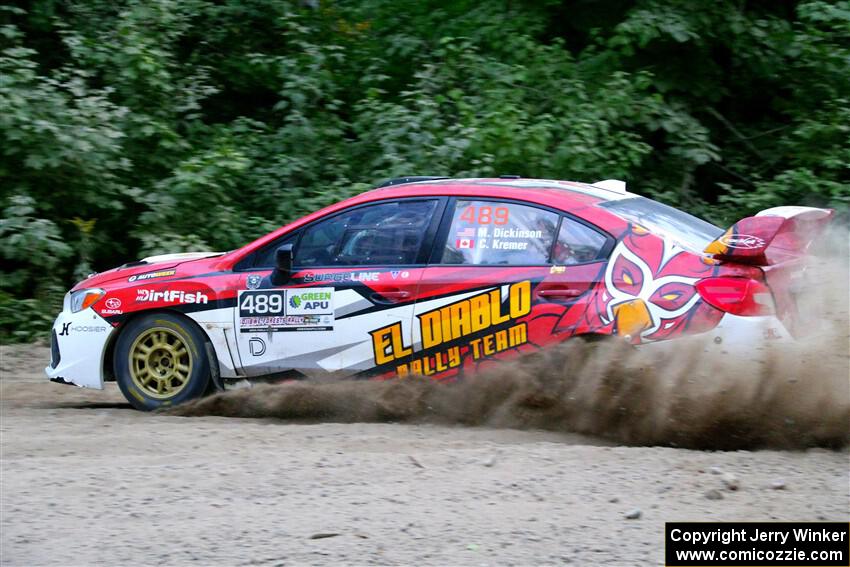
<point>160,361</point>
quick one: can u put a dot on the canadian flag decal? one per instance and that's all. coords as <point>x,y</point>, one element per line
<point>465,243</point>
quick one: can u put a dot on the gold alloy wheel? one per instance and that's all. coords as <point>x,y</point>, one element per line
<point>160,363</point>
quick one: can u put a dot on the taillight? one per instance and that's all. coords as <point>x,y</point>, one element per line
<point>738,296</point>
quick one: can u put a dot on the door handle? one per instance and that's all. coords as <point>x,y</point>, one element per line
<point>390,296</point>
<point>560,292</point>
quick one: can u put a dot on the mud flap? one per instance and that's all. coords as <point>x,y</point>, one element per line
<point>215,373</point>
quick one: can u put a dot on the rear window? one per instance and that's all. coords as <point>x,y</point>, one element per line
<point>665,221</point>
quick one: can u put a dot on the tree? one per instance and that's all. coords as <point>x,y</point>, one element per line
<point>136,127</point>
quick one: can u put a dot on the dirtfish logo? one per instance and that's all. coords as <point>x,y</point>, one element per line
<point>171,296</point>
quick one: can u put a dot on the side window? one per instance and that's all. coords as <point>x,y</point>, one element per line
<point>385,233</point>
<point>487,233</point>
<point>576,243</point>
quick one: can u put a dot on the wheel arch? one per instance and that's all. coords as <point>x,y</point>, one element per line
<point>109,353</point>
<point>595,337</point>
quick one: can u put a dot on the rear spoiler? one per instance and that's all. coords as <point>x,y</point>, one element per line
<point>771,236</point>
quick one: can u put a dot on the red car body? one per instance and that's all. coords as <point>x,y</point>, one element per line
<point>616,265</point>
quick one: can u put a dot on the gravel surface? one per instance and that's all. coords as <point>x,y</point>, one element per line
<point>86,480</point>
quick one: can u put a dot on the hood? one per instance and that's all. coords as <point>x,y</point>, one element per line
<point>176,258</point>
<point>146,268</point>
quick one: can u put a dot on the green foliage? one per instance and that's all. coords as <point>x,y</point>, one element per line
<point>149,126</point>
<point>29,247</point>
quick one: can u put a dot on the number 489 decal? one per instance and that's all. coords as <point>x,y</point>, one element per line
<point>485,215</point>
<point>261,303</point>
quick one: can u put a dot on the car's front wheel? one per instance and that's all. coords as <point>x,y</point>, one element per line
<point>160,360</point>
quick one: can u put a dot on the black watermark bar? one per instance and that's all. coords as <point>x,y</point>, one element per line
<point>757,544</point>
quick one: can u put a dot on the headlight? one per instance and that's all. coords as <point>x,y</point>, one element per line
<point>83,298</point>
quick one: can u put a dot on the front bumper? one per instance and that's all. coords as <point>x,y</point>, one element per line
<point>78,347</point>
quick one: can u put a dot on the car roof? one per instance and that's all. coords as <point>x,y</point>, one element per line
<point>582,193</point>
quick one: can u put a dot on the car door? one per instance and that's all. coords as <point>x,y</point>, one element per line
<point>505,277</point>
<point>349,301</point>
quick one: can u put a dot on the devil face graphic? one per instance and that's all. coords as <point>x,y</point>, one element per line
<point>649,291</point>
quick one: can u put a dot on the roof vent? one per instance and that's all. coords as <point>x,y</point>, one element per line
<point>611,185</point>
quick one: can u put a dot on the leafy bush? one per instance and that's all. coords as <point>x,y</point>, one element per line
<point>148,126</point>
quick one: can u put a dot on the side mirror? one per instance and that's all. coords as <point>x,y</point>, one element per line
<point>283,265</point>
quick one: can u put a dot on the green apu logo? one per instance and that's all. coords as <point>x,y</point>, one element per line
<point>311,300</point>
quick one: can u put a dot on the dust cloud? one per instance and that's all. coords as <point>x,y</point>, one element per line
<point>687,393</point>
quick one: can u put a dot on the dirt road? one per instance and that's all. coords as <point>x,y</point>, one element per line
<point>86,480</point>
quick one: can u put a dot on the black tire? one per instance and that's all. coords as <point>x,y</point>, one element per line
<point>170,365</point>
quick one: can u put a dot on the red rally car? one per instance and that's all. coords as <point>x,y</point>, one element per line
<point>431,276</point>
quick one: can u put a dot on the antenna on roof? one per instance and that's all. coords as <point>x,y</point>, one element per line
<point>409,179</point>
<point>611,185</point>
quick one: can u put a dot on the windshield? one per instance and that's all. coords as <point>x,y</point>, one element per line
<point>672,224</point>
